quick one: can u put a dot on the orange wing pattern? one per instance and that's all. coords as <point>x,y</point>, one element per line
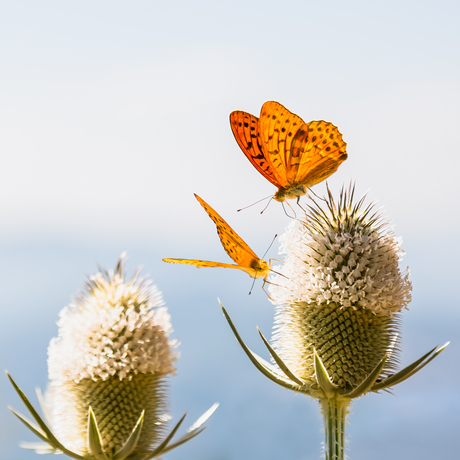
<point>279,128</point>
<point>291,154</point>
<point>245,128</point>
<point>235,247</point>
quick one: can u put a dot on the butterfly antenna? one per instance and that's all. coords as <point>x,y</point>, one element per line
<point>271,244</point>
<point>263,210</point>
<point>246,207</point>
<point>253,282</point>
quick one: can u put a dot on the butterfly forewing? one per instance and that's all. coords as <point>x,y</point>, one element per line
<point>233,244</point>
<point>245,128</point>
<point>278,128</point>
<point>235,247</point>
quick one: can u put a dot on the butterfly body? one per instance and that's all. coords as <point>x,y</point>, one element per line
<point>291,154</point>
<point>245,258</point>
<point>294,191</point>
<point>260,268</point>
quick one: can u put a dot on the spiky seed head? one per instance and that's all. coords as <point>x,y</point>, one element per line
<point>342,293</point>
<point>112,353</point>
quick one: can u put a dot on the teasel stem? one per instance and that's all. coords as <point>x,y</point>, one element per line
<point>334,417</point>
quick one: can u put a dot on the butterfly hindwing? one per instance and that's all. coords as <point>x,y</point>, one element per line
<point>320,150</point>
<point>207,263</point>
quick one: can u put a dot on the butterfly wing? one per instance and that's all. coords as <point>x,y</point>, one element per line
<point>235,247</point>
<point>316,152</point>
<point>233,244</point>
<point>245,128</point>
<point>206,263</point>
<point>278,129</point>
<point>286,150</point>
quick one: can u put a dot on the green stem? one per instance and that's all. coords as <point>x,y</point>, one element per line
<point>334,418</point>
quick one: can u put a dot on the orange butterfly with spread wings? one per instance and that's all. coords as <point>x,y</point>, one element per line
<point>235,247</point>
<point>291,154</point>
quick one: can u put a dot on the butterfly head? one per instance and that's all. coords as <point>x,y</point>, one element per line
<point>261,268</point>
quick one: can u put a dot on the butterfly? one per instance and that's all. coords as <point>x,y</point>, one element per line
<point>291,154</point>
<point>235,247</point>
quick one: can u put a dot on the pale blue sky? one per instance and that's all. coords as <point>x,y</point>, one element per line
<point>114,113</point>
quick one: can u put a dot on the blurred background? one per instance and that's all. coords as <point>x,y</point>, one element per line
<point>113,113</point>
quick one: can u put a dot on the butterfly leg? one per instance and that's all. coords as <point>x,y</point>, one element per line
<point>278,273</point>
<point>278,260</point>
<point>263,288</point>
<point>300,206</point>
<point>279,285</point>
<point>316,195</point>
<point>274,284</point>
<point>284,209</point>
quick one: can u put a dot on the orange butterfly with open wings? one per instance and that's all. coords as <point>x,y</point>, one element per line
<point>235,247</point>
<point>291,154</point>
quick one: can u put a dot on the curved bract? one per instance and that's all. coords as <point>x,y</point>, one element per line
<point>128,451</point>
<point>320,386</point>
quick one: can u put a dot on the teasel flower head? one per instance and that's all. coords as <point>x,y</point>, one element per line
<point>338,297</point>
<point>108,368</point>
<point>341,292</point>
